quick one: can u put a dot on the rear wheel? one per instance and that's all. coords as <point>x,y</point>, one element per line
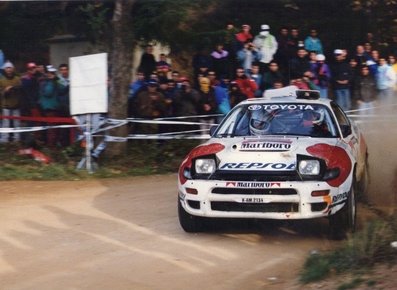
<point>344,221</point>
<point>189,223</point>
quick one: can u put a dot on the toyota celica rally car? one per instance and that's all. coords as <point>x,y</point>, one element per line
<point>287,156</point>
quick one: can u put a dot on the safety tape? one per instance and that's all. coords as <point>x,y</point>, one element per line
<point>34,129</point>
<point>109,138</point>
<point>166,122</point>
<point>373,108</point>
<point>190,117</point>
<point>41,119</point>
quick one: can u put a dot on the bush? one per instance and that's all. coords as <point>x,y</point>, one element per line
<point>362,250</point>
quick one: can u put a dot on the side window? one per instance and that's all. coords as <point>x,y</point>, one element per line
<point>342,120</point>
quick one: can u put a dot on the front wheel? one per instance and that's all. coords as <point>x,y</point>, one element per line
<point>344,221</point>
<point>189,223</point>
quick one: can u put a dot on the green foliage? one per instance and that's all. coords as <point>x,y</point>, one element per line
<point>363,250</point>
<point>97,18</point>
<point>143,158</point>
<point>162,20</point>
<point>352,284</point>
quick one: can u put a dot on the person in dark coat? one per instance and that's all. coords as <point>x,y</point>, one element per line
<point>148,62</point>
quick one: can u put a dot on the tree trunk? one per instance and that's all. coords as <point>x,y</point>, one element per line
<point>120,69</point>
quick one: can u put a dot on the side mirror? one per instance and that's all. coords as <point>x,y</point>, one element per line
<point>346,130</point>
<point>213,129</point>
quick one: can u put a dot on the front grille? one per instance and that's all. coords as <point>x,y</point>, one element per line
<point>255,207</point>
<point>254,191</point>
<point>255,175</point>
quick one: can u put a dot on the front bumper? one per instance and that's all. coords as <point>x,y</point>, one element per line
<point>265,200</point>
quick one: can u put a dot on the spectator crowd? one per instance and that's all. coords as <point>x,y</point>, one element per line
<point>243,66</point>
<point>240,66</point>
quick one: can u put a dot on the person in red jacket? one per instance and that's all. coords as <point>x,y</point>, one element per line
<point>247,85</point>
<point>243,36</point>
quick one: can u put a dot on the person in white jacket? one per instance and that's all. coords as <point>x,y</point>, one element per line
<point>267,45</point>
<point>385,81</point>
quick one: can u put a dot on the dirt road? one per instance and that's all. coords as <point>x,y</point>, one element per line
<point>124,234</point>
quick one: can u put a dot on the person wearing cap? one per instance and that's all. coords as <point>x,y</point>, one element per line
<point>235,94</point>
<point>11,96</point>
<point>187,99</point>
<point>49,103</point>
<point>323,75</point>
<point>267,45</point>
<point>341,79</point>
<point>30,107</point>
<point>30,87</point>
<point>150,103</point>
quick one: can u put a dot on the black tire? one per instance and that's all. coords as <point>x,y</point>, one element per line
<point>362,186</point>
<point>344,221</point>
<point>189,223</point>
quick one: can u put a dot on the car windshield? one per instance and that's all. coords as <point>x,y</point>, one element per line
<point>298,119</point>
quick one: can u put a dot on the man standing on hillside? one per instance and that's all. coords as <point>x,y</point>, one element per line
<point>11,95</point>
<point>266,45</point>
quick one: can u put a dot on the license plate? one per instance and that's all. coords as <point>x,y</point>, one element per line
<point>252,200</point>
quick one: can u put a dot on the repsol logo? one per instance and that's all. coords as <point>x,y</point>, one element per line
<point>259,165</point>
<point>340,197</point>
<point>265,145</point>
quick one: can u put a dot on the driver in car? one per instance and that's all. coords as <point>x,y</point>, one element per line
<point>259,123</point>
<point>313,124</point>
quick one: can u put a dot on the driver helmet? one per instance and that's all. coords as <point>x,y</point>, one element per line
<point>313,117</point>
<point>259,123</point>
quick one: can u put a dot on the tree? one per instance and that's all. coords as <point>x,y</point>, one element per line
<point>121,63</point>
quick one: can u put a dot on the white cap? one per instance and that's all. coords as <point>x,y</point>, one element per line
<point>7,64</point>
<point>338,51</point>
<point>265,27</point>
<point>320,57</point>
<point>51,68</point>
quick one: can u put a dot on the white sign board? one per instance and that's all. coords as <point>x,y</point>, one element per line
<point>88,84</point>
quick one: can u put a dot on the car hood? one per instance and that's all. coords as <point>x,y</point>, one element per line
<point>265,153</point>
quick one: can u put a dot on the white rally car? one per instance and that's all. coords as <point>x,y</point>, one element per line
<point>287,156</point>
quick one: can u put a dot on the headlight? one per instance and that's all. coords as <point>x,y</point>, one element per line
<point>205,166</point>
<point>309,167</point>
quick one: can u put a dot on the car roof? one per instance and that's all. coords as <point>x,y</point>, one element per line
<point>289,95</point>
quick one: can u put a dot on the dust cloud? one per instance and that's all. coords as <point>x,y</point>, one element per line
<point>380,132</point>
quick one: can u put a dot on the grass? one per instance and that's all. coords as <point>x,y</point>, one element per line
<point>142,158</point>
<point>358,254</point>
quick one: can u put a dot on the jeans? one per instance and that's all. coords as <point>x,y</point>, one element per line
<point>343,99</point>
<point>323,93</point>
<point>7,122</point>
<point>367,108</point>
